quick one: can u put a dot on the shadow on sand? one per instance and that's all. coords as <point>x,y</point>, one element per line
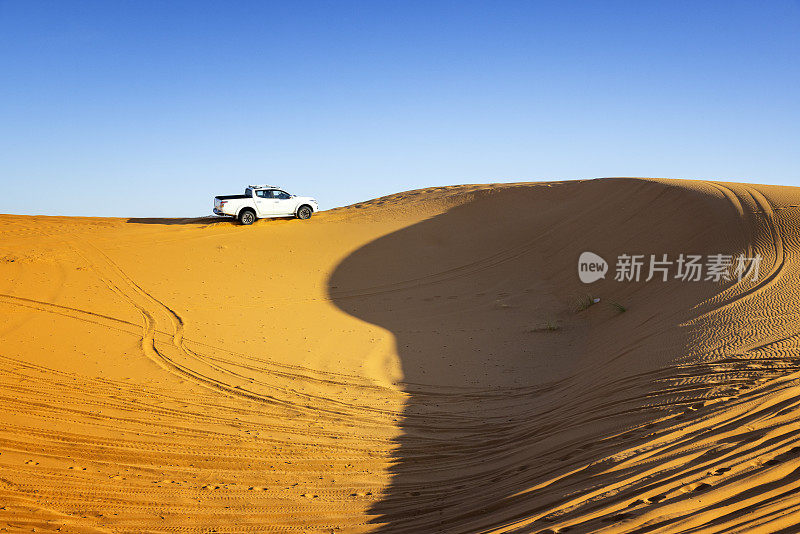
<point>200,221</point>
<point>516,399</point>
<point>185,220</point>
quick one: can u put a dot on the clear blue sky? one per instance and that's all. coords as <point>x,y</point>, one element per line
<point>151,108</point>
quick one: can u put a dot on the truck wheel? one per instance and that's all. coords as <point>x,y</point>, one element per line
<point>247,217</point>
<point>304,212</point>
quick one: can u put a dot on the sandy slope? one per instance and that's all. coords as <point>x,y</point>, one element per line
<point>410,364</point>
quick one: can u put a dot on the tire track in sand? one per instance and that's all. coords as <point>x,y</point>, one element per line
<point>749,226</point>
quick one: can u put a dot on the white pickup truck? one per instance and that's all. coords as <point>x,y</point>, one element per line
<point>262,201</point>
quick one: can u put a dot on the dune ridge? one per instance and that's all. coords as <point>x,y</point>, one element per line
<point>415,363</point>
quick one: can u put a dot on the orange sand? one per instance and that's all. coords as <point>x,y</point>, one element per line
<point>411,364</point>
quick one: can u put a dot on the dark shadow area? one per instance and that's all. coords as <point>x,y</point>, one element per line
<point>185,220</point>
<point>200,221</point>
<point>518,393</point>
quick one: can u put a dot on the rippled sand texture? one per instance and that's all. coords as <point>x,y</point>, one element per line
<point>417,363</point>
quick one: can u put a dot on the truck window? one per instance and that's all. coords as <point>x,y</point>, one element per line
<point>263,193</point>
<point>248,192</point>
<point>283,195</point>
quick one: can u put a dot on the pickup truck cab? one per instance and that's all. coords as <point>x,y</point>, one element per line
<point>264,201</point>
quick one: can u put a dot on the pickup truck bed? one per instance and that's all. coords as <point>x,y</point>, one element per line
<point>230,197</point>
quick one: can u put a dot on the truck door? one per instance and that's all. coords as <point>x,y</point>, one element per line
<point>264,202</point>
<point>284,205</point>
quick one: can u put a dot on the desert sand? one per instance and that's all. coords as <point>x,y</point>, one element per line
<point>418,363</point>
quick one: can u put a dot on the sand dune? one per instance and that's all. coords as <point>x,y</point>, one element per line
<point>416,363</point>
